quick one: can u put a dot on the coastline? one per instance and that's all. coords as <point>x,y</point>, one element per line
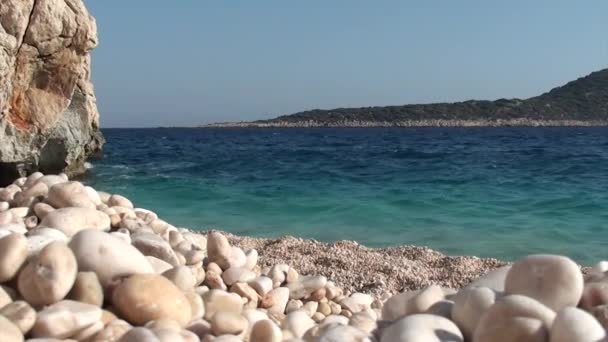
<point>410,124</point>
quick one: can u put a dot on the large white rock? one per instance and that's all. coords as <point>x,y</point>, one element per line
<point>553,280</point>
<point>469,305</point>
<point>151,244</point>
<point>109,257</point>
<point>69,194</point>
<point>494,279</point>
<point>13,253</point>
<point>422,327</point>
<point>65,319</point>
<point>572,324</point>
<point>72,220</point>
<point>48,277</point>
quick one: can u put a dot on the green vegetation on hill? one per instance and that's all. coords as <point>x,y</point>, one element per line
<point>582,100</point>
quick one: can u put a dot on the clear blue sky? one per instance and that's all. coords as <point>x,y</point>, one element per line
<point>189,62</point>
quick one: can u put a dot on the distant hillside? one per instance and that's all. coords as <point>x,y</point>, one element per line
<point>580,102</point>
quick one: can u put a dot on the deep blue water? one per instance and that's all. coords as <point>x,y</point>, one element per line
<point>497,192</point>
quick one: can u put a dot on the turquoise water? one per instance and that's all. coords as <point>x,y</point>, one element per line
<point>496,192</point>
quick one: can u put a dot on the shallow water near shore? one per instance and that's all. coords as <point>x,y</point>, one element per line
<point>496,192</point>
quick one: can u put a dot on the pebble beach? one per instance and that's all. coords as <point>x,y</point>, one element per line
<point>81,264</point>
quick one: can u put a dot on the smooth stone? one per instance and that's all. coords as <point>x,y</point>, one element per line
<point>515,316</point>
<point>87,289</point>
<point>112,332</point>
<point>182,277</point>
<point>69,194</point>
<point>19,212</point>
<point>65,319</point>
<point>93,195</point>
<point>237,258</point>
<point>5,296</point>
<point>158,265</point>
<point>278,274</point>
<point>228,338</point>
<point>219,250</point>
<point>237,274</point>
<point>262,285</point>
<point>469,305</point>
<point>32,179</point>
<point>37,190</point>
<point>109,257</point>
<point>422,327</point>
<point>139,334</point>
<point>594,294</point>
<point>411,302</point>
<point>344,333</point>
<point>50,180</point>
<point>146,297</point>
<point>363,321</point>
<point>246,292</point>
<point>120,201</point>
<point>494,279</point>
<point>357,302</point>
<point>310,308</point>
<point>305,286</point>
<point>293,305</point>
<point>4,206</point>
<point>147,215</point>
<point>73,220</point>
<point>553,280</point>
<point>297,323</point>
<point>21,314</point>
<point>153,245</point>
<point>104,196</point>
<point>6,217</point>
<point>196,304</point>
<point>252,258</point>
<point>265,331</point>
<point>42,209</point>
<point>36,242</point>
<point>18,228</point>
<point>223,323</point>
<point>215,281</point>
<point>13,253</point>
<point>88,332</point>
<point>573,324</point>
<point>9,332</point>
<point>200,328</point>
<point>218,300</point>
<point>48,277</point>
<point>276,300</point>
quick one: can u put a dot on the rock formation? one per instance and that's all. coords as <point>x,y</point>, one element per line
<point>48,119</point>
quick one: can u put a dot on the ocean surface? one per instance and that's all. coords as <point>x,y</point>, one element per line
<point>498,192</point>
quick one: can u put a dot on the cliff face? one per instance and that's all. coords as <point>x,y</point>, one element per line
<point>48,119</point>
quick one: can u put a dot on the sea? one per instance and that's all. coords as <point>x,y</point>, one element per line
<point>489,192</point>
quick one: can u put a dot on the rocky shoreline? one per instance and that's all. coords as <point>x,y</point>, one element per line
<point>77,264</point>
<point>410,123</point>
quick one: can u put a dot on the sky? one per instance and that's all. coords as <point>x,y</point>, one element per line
<point>191,62</point>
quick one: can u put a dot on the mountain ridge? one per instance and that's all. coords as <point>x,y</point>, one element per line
<point>581,102</point>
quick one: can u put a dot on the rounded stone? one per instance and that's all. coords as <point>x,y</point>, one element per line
<point>196,304</point>
<point>21,314</point>
<point>228,323</point>
<point>237,274</point>
<point>411,302</point>
<point>422,327</point>
<point>146,297</point>
<point>139,334</point>
<point>276,300</point>
<point>218,300</point>
<point>109,257</point>
<point>265,331</point>
<point>515,318</point>
<point>553,280</point>
<point>159,266</point>
<point>262,285</point>
<point>49,276</point>
<point>494,279</point>
<point>151,244</point>
<point>65,319</point>
<point>344,333</point>
<point>69,194</point>
<point>87,289</point>
<point>573,324</point>
<point>120,201</point>
<point>72,220</point>
<point>219,250</point>
<point>42,209</point>
<point>305,285</point>
<point>252,258</point>
<point>182,277</point>
<point>357,302</point>
<point>13,253</point>
<point>297,323</point>
<point>469,305</point>
<point>9,332</point>
<point>113,331</point>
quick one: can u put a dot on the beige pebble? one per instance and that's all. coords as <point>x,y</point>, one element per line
<point>553,280</point>
<point>154,245</point>
<point>73,220</point>
<point>252,258</point>
<point>224,322</point>
<point>13,253</point>
<point>182,277</point>
<point>218,300</point>
<point>422,327</point>
<point>310,308</point>
<point>9,332</point>
<point>120,201</point>
<point>145,297</point>
<point>357,302</point>
<point>69,194</point>
<point>237,274</point>
<point>196,304</point>
<point>214,281</point>
<point>42,209</point>
<point>515,318</point>
<point>158,265</point>
<point>109,257</point>
<point>65,319</point>
<point>139,334</point>
<point>265,331</point>
<point>219,250</point>
<point>573,324</point>
<point>293,305</point>
<point>48,277</point>
<point>112,332</point>
<point>297,323</point>
<point>469,306</point>
<point>305,285</point>
<point>276,300</point>
<point>21,314</point>
<point>246,292</point>
<point>262,285</point>
<point>87,289</point>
